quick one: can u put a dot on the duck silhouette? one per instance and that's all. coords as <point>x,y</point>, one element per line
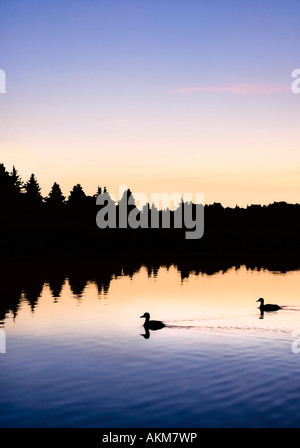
<point>268,307</point>
<point>152,324</point>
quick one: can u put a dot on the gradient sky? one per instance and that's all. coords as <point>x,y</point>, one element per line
<point>160,95</point>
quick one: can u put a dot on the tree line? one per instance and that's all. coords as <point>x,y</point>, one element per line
<point>15,192</point>
<point>26,197</point>
<point>31,222</point>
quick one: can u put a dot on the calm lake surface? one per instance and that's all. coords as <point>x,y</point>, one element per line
<point>76,355</point>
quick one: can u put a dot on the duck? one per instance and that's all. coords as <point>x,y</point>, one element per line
<point>152,324</point>
<point>268,307</point>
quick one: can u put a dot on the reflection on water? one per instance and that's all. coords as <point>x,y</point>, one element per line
<point>78,354</point>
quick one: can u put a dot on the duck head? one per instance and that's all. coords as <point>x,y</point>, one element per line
<point>261,301</point>
<point>146,316</point>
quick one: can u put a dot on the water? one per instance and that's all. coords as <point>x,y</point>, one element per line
<point>75,354</point>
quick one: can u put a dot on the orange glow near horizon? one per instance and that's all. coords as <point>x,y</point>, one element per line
<point>202,301</point>
<point>237,151</point>
<point>257,180</point>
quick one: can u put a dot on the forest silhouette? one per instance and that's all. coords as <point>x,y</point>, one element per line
<point>54,239</point>
<point>57,225</point>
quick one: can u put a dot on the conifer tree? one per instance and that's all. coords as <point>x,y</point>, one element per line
<point>77,196</point>
<point>55,199</point>
<point>33,195</point>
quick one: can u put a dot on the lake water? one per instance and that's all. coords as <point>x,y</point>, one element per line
<point>76,355</point>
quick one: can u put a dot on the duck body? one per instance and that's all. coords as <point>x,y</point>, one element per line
<point>268,307</point>
<point>152,324</point>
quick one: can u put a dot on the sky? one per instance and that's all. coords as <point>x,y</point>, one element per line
<point>162,96</point>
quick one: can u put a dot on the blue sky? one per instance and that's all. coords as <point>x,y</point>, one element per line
<point>188,96</point>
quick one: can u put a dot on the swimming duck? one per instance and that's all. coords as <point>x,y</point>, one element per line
<point>152,324</point>
<point>267,307</point>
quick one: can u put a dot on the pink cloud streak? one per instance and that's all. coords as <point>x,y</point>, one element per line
<point>240,89</point>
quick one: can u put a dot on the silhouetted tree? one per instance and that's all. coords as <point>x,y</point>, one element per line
<point>77,197</point>
<point>10,188</point>
<point>16,180</point>
<point>107,211</point>
<point>55,199</point>
<point>126,204</point>
<point>33,195</point>
<point>5,187</point>
<point>4,175</point>
<point>99,191</point>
